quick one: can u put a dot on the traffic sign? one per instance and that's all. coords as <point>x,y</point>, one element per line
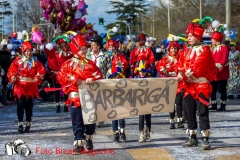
<point>210,29</point>
<point>233,34</point>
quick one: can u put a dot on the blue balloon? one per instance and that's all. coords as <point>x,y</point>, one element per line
<point>17,43</point>
<point>103,35</point>
<point>165,41</point>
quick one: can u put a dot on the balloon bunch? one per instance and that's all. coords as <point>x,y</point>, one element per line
<point>64,14</point>
<point>87,32</point>
<point>14,43</point>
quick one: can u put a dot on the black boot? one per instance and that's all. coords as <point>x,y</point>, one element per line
<point>58,110</point>
<point>65,109</point>
<point>180,125</point>
<point>223,106</point>
<point>116,137</point>
<point>205,143</point>
<point>192,140</point>
<point>214,106</point>
<point>122,136</point>
<point>20,127</point>
<point>172,124</point>
<point>28,126</point>
<point>79,146</point>
<point>89,143</point>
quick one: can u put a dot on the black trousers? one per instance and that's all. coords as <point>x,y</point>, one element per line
<point>191,107</point>
<point>24,104</point>
<point>78,126</point>
<point>57,93</point>
<point>147,117</point>
<point>222,84</point>
<point>178,102</point>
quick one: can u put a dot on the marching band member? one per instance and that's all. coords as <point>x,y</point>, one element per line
<point>142,52</point>
<point>113,54</point>
<point>72,74</point>
<point>197,69</point>
<point>26,73</point>
<point>97,56</point>
<point>56,56</point>
<point>117,72</point>
<point>167,67</point>
<point>142,71</point>
<point>220,55</point>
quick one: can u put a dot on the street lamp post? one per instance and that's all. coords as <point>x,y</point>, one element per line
<point>13,8</point>
<point>228,16</point>
<point>169,25</point>
<point>153,20</point>
<point>2,21</point>
<point>129,29</point>
<point>153,26</point>
<point>152,16</point>
<point>119,26</point>
<point>200,2</point>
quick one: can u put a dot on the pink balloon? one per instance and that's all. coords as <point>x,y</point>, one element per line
<point>60,16</point>
<point>72,26</point>
<point>50,8</point>
<point>42,4</point>
<point>50,1</point>
<point>37,37</point>
<point>45,15</point>
<point>81,5</point>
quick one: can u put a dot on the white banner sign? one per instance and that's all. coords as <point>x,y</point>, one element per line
<point>113,99</point>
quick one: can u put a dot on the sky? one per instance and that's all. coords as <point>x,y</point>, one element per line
<point>97,9</point>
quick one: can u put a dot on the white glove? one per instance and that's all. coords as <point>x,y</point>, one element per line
<point>188,73</point>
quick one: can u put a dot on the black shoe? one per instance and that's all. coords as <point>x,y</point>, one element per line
<point>205,144</point>
<point>20,128</point>
<point>230,97</point>
<point>122,136</point>
<point>78,150</point>
<point>222,108</point>
<point>65,109</point>
<point>214,107</point>
<point>180,125</point>
<point>183,120</point>
<point>116,137</point>
<point>172,126</point>
<point>58,109</point>
<point>190,143</point>
<point>89,145</point>
<point>27,129</point>
<point>28,126</point>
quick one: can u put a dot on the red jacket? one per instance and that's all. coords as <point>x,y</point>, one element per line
<point>141,53</point>
<point>28,75</point>
<point>220,55</point>
<point>79,69</point>
<point>168,67</point>
<point>56,58</point>
<point>199,62</point>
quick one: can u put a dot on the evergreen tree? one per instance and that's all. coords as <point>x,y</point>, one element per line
<point>128,11</point>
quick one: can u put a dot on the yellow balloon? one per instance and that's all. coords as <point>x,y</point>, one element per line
<point>196,20</point>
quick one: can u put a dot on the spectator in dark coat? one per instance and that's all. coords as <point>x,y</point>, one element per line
<point>5,61</point>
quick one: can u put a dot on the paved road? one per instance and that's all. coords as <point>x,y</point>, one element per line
<point>51,133</point>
